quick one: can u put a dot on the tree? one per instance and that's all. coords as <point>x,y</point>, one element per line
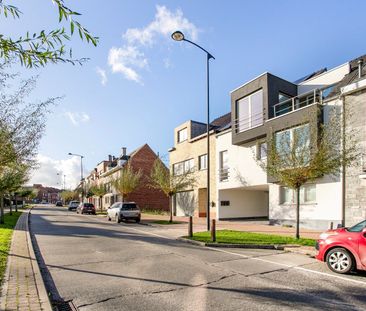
<point>99,191</point>
<point>68,196</point>
<point>128,181</point>
<point>310,151</point>
<point>26,194</point>
<point>11,177</point>
<point>38,49</point>
<point>162,179</point>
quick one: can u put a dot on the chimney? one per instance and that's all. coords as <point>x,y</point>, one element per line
<point>109,158</point>
<point>360,63</point>
<point>124,150</point>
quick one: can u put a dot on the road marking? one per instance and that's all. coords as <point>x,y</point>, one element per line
<point>261,259</point>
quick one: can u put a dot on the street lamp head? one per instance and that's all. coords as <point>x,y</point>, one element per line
<point>69,153</point>
<point>178,36</point>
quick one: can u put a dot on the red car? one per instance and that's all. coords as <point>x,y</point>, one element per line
<point>86,208</point>
<point>343,249</point>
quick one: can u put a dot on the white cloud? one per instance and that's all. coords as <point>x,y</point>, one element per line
<point>46,174</point>
<point>77,117</point>
<point>124,59</point>
<point>103,75</point>
<point>165,23</point>
<point>129,58</point>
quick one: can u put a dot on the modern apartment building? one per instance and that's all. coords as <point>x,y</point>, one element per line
<point>106,171</point>
<point>269,105</point>
<point>190,153</point>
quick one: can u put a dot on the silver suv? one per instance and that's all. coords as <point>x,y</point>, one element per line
<point>73,205</point>
<point>124,211</point>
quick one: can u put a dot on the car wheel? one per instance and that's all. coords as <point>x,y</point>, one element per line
<point>117,219</point>
<point>339,260</point>
<point>138,220</point>
<point>109,218</point>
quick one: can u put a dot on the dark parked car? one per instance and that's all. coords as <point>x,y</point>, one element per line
<point>86,208</point>
<point>58,203</point>
<point>73,205</point>
<point>343,249</point>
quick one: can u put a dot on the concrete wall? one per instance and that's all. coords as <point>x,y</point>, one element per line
<point>243,203</point>
<point>243,168</point>
<point>314,216</point>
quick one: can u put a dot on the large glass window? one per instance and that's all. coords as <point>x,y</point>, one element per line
<point>183,167</point>
<point>307,195</point>
<point>182,135</point>
<point>295,139</point>
<point>249,111</point>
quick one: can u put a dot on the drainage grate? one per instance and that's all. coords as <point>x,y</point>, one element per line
<point>64,306</point>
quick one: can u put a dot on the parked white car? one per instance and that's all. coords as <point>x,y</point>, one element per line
<point>124,211</point>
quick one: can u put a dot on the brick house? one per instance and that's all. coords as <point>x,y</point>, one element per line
<point>142,159</point>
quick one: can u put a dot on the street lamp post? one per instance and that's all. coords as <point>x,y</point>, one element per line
<point>179,36</point>
<point>81,172</point>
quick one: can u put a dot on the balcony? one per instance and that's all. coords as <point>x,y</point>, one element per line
<point>300,101</point>
<point>224,174</point>
<point>249,122</point>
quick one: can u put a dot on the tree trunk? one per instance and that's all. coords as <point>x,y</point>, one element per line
<point>190,227</point>
<point>11,205</point>
<point>16,203</point>
<point>297,213</point>
<point>1,209</point>
<point>101,203</point>
<point>171,209</point>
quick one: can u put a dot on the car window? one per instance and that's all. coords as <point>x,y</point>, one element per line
<point>88,204</point>
<point>129,206</point>
<point>358,227</point>
<point>114,205</point>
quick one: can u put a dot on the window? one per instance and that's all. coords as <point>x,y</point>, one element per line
<point>183,167</point>
<point>295,139</point>
<point>224,165</point>
<point>283,97</point>
<point>262,150</point>
<point>307,195</point>
<point>225,203</point>
<point>286,195</point>
<point>182,135</point>
<point>202,162</point>
<point>249,111</point>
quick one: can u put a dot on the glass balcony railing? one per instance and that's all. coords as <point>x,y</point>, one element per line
<point>300,101</point>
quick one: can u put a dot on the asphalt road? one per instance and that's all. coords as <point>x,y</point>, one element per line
<point>102,265</point>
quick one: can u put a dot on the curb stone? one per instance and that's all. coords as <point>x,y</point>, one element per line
<point>287,248</point>
<point>41,288</point>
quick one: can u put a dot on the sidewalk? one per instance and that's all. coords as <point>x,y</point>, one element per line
<point>258,226</point>
<point>23,287</point>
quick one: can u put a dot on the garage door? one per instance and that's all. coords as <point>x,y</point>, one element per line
<point>184,203</point>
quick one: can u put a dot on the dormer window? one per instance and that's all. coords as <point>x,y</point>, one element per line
<point>182,135</point>
<point>249,111</point>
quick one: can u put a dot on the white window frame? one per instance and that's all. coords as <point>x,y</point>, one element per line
<point>242,128</point>
<point>181,139</point>
<point>303,195</point>
<point>202,159</point>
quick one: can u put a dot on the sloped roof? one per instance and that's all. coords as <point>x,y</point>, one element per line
<point>351,77</point>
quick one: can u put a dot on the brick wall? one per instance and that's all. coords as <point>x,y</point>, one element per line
<point>144,196</point>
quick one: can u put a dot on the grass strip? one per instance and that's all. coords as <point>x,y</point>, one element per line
<point>6,231</point>
<point>240,237</point>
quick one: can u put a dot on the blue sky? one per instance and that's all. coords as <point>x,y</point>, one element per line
<point>139,84</point>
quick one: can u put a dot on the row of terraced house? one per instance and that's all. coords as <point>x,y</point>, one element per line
<point>271,105</point>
